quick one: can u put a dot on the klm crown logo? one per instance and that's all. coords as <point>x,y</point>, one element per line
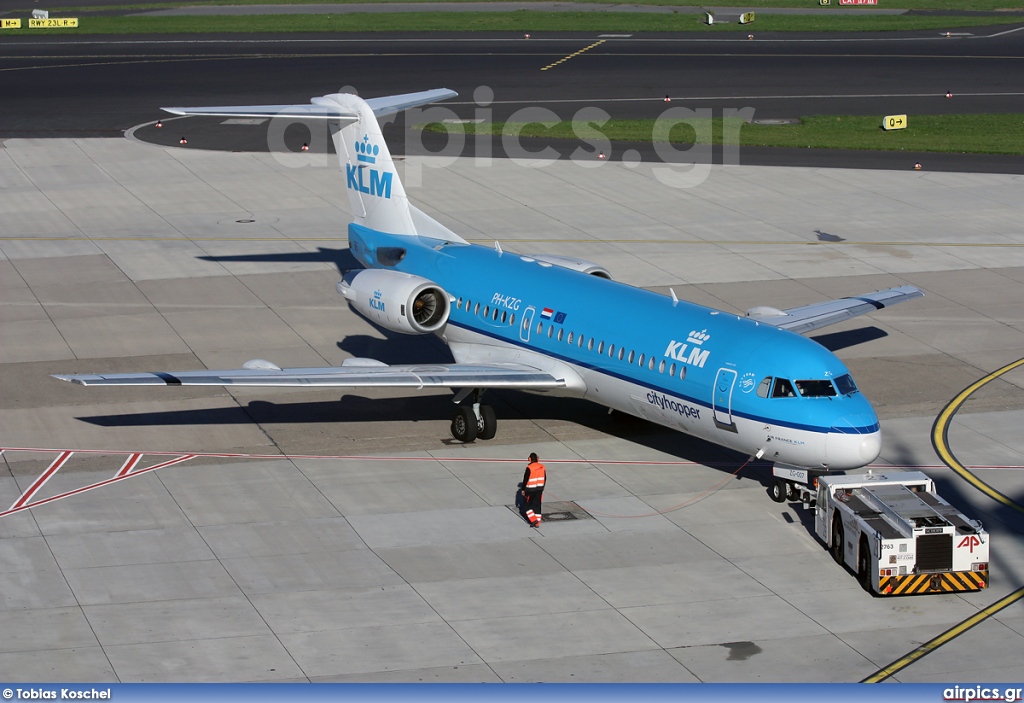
<point>377,301</point>
<point>377,183</point>
<point>696,337</point>
<point>365,152</point>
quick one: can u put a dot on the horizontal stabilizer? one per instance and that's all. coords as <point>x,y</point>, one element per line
<point>356,375</point>
<point>322,108</point>
<point>811,317</point>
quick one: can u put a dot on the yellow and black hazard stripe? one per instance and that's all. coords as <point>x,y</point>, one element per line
<point>948,582</point>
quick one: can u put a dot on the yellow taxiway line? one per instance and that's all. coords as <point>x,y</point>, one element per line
<point>940,441</point>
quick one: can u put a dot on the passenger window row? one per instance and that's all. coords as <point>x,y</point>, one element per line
<point>558,333</point>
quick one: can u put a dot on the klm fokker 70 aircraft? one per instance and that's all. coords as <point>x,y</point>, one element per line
<point>547,323</point>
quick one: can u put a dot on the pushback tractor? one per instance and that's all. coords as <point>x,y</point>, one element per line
<point>898,535</point>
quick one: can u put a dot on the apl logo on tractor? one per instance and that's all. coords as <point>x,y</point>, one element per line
<point>970,541</point>
<point>378,182</point>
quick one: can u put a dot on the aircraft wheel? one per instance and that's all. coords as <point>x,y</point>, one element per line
<point>837,540</point>
<point>777,491</point>
<point>464,424</point>
<point>487,425</point>
<point>792,491</point>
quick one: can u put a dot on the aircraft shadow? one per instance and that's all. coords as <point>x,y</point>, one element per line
<point>397,348</point>
<point>342,259</point>
<point>834,341</point>
<point>509,405</point>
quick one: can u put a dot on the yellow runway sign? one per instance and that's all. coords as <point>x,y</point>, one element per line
<point>10,24</point>
<point>894,122</point>
<point>53,22</point>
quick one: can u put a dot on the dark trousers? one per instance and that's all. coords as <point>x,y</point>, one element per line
<point>532,502</point>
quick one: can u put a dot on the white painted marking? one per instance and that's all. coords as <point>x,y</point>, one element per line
<point>129,464</point>
<point>836,96</point>
<point>53,468</point>
<point>999,34</point>
<point>21,504</point>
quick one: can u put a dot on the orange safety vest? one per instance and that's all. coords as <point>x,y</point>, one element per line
<point>537,477</point>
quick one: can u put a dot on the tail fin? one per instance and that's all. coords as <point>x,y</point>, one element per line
<point>375,191</point>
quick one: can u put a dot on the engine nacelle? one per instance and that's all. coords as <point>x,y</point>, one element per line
<point>765,311</point>
<point>397,301</point>
<point>571,262</point>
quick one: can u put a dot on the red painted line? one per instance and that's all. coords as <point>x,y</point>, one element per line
<point>128,469</point>
<point>171,462</point>
<point>93,486</point>
<point>43,478</point>
<point>483,460</point>
<point>129,464</point>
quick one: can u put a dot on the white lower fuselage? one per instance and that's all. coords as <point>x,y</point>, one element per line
<point>785,445</point>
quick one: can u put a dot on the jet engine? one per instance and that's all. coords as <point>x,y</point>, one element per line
<point>397,301</point>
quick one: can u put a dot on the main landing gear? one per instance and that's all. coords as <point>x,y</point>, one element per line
<point>474,421</point>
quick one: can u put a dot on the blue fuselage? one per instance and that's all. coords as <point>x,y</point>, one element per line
<point>709,373</point>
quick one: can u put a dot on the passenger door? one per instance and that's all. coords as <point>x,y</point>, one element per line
<point>722,399</point>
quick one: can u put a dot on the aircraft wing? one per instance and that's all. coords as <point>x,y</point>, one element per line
<point>324,108</point>
<point>355,373</point>
<point>812,317</point>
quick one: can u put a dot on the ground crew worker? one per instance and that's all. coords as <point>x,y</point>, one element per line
<point>533,490</point>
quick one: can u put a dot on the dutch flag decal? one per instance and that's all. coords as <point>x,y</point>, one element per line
<point>546,313</point>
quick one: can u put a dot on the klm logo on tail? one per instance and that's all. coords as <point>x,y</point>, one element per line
<point>378,183</point>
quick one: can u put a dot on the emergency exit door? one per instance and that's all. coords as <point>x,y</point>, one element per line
<point>722,404</point>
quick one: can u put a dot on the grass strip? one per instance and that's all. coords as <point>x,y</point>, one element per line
<point>975,5</point>
<point>518,21</point>
<point>978,134</point>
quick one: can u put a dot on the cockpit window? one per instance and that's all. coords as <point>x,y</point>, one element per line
<point>816,389</point>
<point>766,385</point>
<point>846,385</point>
<point>783,389</point>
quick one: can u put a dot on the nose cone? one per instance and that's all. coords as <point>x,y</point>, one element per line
<point>855,440</point>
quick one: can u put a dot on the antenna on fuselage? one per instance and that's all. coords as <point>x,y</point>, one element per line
<point>497,248</point>
<point>675,300</point>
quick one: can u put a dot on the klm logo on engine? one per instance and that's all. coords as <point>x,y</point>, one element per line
<point>377,302</point>
<point>690,351</point>
<point>364,179</point>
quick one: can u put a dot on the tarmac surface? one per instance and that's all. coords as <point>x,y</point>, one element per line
<point>388,553</point>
